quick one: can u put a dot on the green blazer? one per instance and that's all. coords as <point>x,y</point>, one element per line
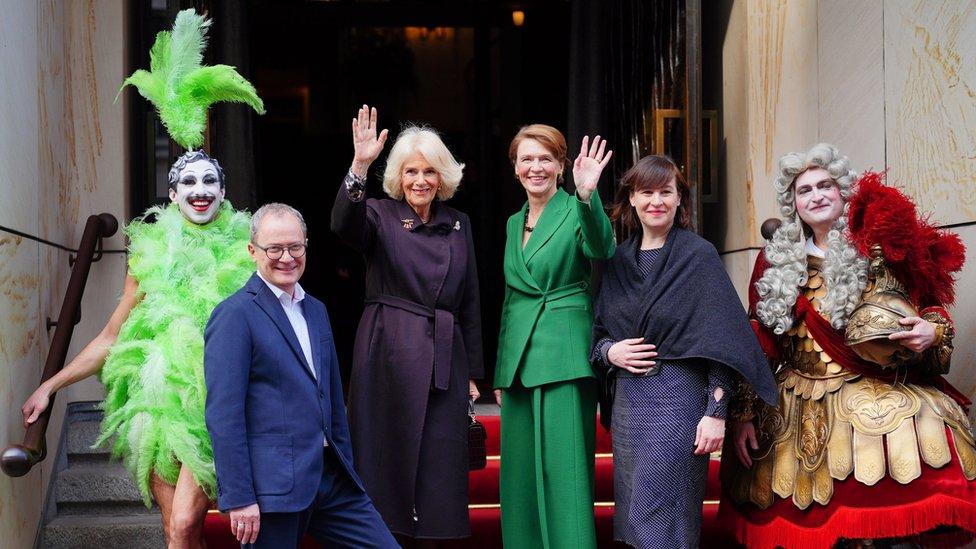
<point>547,317</point>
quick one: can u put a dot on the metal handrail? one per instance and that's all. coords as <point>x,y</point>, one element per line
<point>18,459</point>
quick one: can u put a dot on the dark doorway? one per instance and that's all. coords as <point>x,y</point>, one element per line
<point>475,70</point>
<point>464,68</point>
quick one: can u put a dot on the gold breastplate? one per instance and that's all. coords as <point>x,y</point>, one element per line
<point>811,372</point>
<point>831,422</point>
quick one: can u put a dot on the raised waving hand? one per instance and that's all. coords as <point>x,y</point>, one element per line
<point>589,165</point>
<point>366,143</point>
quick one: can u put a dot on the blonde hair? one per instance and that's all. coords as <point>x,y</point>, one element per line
<point>427,142</point>
<point>844,270</point>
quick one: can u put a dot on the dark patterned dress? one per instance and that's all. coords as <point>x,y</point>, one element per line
<point>659,483</point>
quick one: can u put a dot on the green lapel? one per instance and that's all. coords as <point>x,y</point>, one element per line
<point>515,268</point>
<point>551,219</point>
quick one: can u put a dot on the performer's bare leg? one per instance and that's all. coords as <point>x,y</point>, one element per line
<point>189,511</point>
<point>183,508</point>
<point>163,494</point>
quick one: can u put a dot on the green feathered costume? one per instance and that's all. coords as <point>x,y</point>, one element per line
<point>155,392</point>
<point>181,88</point>
<point>154,373</point>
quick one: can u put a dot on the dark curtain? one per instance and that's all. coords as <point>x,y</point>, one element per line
<point>232,124</point>
<point>588,73</point>
<point>626,61</point>
<point>646,73</point>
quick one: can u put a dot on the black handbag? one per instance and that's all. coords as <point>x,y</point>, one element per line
<point>477,434</point>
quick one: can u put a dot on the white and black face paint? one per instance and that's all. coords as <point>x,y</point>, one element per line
<point>198,192</point>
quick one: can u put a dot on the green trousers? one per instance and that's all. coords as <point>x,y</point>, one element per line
<point>547,444</point>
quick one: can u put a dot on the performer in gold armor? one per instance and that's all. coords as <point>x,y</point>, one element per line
<point>868,440</point>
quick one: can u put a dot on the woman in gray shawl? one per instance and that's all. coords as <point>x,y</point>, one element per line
<point>670,335</point>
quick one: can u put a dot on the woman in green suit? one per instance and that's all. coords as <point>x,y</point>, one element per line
<point>543,380</point>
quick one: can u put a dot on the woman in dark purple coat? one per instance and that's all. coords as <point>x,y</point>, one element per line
<point>418,347</point>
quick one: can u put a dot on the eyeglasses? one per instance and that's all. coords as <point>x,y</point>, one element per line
<point>276,252</point>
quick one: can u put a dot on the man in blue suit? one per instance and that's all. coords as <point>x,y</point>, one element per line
<point>274,409</point>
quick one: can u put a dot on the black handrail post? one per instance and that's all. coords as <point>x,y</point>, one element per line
<point>18,459</point>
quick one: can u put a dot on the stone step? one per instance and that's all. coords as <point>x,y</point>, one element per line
<point>80,437</point>
<point>96,483</point>
<point>105,508</point>
<point>131,532</point>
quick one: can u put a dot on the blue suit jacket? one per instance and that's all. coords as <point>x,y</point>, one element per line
<point>266,414</point>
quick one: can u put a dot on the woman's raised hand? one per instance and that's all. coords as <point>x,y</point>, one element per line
<point>632,355</point>
<point>365,141</point>
<point>589,165</point>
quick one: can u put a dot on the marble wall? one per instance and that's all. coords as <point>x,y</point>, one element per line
<point>62,159</point>
<point>963,373</point>
<point>891,82</point>
<point>735,171</point>
<point>20,347</point>
<point>851,98</point>
<point>930,100</point>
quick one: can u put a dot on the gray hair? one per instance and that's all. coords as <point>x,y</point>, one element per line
<point>844,270</point>
<point>426,141</point>
<point>189,157</point>
<point>275,209</point>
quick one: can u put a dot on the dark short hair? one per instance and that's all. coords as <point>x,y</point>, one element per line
<point>651,172</point>
<point>187,158</point>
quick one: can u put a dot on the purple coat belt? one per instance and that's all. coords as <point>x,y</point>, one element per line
<point>443,332</point>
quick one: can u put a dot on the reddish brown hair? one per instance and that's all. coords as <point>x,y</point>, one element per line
<point>651,172</point>
<point>550,138</point>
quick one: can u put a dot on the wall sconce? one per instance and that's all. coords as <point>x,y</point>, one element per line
<point>518,18</point>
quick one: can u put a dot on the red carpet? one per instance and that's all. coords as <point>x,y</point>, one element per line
<point>485,524</point>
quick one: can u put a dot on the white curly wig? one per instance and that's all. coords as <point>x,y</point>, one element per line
<point>844,270</point>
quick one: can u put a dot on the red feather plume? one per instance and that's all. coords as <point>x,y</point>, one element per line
<point>921,257</point>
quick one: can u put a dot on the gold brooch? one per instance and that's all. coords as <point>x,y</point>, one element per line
<point>407,224</point>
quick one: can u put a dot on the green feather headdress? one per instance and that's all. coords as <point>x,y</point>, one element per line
<point>181,89</point>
